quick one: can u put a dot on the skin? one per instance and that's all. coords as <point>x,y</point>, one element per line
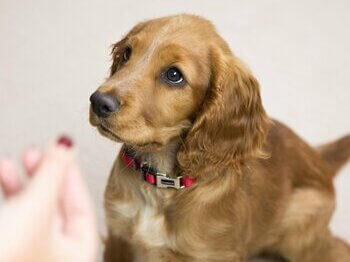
<point>50,218</point>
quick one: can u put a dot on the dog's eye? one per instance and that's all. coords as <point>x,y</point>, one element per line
<point>174,76</point>
<point>127,54</point>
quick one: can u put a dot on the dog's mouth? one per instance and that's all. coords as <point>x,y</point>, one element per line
<point>108,133</point>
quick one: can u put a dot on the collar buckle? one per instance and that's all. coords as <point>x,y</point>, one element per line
<point>151,176</point>
<point>164,181</point>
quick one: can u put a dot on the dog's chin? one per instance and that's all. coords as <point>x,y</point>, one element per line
<point>146,147</point>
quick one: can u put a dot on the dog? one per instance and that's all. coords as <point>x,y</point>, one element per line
<point>204,174</point>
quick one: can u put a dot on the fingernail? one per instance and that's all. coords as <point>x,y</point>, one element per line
<point>65,141</point>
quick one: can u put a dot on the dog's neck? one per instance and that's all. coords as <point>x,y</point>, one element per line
<point>163,160</point>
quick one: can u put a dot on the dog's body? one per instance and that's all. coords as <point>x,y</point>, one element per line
<point>281,204</point>
<point>259,187</point>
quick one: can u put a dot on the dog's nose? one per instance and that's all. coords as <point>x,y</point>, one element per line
<point>104,105</point>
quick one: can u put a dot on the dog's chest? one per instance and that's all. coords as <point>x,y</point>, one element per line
<point>150,227</point>
<point>146,221</point>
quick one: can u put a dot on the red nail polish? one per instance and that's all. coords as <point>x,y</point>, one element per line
<point>65,141</point>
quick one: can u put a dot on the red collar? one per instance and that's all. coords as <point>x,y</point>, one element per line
<point>152,176</point>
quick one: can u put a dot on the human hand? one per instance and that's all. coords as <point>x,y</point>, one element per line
<point>50,219</point>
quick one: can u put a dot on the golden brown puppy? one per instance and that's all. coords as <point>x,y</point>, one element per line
<point>185,106</point>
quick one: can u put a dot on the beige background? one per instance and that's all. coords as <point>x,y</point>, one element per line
<point>53,54</point>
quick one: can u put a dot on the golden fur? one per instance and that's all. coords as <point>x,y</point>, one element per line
<point>260,188</point>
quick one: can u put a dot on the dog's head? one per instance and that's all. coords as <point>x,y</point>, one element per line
<point>175,77</point>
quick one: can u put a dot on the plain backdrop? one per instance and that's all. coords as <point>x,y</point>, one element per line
<point>54,54</point>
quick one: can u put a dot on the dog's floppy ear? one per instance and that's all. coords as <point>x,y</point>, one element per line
<point>232,122</point>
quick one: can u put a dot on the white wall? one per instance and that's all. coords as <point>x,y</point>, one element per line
<point>53,54</point>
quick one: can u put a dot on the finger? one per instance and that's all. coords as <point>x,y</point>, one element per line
<point>31,160</point>
<point>79,218</point>
<point>9,178</point>
<point>46,184</point>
